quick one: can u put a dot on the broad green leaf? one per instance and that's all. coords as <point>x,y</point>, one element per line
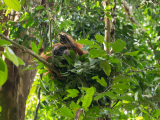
<point>29,22</point>
<point>11,56</point>
<point>88,98</point>
<point>129,106</point>
<point>66,112</point>
<point>22,2</point>
<point>96,53</point>
<point>24,17</point>
<point>13,4</point>
<point>118,45</point>
<point>86,42</point>
<point>106,67</point>
<point>3,72</point>
<point>99,96</point>
<point>58,8</point>
<point>108,93</point>
<point>101,81</point>
<point>157,53</point>
<point>20,61</point>
<point>115,61</point>
<point>4,42</point>
<point>40,44</point>
<point>121,86</point>
<point>94,46</point>
<point>132,53</point>
<point>124,79</point>
<point>108,7</point>
<point>156,113</point>
<point>97,3</point>
<point>74,106</point>
<point>29,67</point>
<point>125,97</point>
<point>67,2</point>
<point>34,47</point>
<point>93,113</point>
<point>99,38</point>
<point>2,78</point>
<point>72,93</point>
<point>39,7</point>
<point>73,55</point>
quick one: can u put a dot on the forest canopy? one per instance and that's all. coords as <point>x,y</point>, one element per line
<point>110,68</point>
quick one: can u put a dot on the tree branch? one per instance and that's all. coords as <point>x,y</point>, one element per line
<point>48,65</point>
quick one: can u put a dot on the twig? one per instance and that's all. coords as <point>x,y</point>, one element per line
<point>139,70</point>
<point>128,11</point>
<point>38,103</point>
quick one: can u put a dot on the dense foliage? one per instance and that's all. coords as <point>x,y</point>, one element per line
<point>121,85</point>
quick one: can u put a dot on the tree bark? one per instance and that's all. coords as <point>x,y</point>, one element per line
<point>14,92</point>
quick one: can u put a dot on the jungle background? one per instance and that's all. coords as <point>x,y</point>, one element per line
<point>118,78</point>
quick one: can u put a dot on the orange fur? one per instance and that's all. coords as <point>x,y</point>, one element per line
<point>76,49</point>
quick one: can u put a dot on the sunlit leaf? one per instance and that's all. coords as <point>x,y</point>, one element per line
<point>13,4</point>
<point>66,112</point>
<point>11,56</point>
<point>101,81</point>
<point>88,98</point>
<point>132,53</point>
<point>118,45</point>
<point>99,38</point>
<point>106,67</point>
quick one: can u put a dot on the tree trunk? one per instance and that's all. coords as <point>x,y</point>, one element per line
<point>14,92</point>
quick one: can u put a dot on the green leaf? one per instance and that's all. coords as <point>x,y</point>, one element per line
<point>88,98</point>
<point>0,108</point>
<point>99,96</point>
<point>11,56</point>
<point>3,72</point>
<point>66,112</point>
<point>96,53</point>
<point>24,17</point>
<point>129,106</point>
<point>132,53</point>
<point>125,97</point>
<point>93,113</point>
<point>13,4</point>
<point>115,61</point>
<point>108,93</point>
<point>73,55</point>
<point>86,42</point>
<point>72,93</point>
<point>125,79</point>
<point>118,45</point>
<point>4,42</point>
<point>29,67</point>
<point>34,47</point>
<point>74,106</point>
<point>2,78</point>
<point>94,46</point>
<point>106,67</point>
<point>101,81</point>
<point>40,44</point>
<point>39,7</point>
<point>108,7</point>
<point>121,86</point>
<point>99,38</point>
<point>20,61</point>
<point>156,113</point>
